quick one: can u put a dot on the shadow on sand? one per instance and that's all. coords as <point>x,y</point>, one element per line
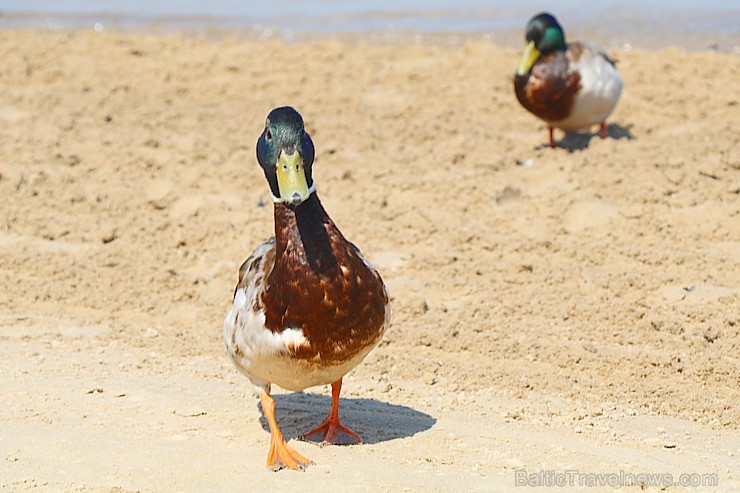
<point>374,421</point>
<point>578,141</point>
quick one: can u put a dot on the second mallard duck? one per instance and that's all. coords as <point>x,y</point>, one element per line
<point>570,86</point>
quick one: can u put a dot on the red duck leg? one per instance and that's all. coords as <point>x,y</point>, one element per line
<point>331,431</point>
<point>603,129</point>
<point>552,141</point>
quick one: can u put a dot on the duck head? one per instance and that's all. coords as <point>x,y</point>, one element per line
<point>286,153</point>
<point>544,35</point>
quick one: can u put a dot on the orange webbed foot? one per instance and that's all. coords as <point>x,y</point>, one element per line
<point>281,455</point>
<point>332,432</point>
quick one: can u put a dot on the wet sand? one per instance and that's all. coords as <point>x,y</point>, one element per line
<point>567,309</point>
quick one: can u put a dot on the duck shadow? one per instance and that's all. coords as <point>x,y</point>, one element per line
<point>578,141</point>
<point>374,421</point>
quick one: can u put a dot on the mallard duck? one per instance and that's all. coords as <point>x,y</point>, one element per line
<point>568,85</point>
<point>308,307</point>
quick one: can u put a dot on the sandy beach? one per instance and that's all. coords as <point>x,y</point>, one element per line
<point>569,309</point>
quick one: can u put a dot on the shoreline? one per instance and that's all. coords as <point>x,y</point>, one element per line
<point>626,37</point>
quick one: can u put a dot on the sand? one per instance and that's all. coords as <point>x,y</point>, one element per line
<point>575,309</point>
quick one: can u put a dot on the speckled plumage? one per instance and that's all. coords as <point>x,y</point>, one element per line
<point>306,299</point>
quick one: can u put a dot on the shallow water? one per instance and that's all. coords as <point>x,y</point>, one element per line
<point>688,23</point>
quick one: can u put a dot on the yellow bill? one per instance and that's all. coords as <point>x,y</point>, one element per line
<point>531,54</point>
<point>292,178</point>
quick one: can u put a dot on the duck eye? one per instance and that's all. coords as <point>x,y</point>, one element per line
<point>268,135</point>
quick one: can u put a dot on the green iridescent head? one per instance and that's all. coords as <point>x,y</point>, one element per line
<point>544,35</point>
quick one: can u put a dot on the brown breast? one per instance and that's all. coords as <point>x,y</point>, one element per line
<point>320,284</point>
<point>549,89</point>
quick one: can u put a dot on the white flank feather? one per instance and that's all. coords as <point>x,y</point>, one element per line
<point>601,86</point>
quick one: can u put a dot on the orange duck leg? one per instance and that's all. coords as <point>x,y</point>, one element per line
<point>280,455</point>
<point>331,431</point>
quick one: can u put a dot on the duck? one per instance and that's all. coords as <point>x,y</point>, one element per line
<point>570,86</point>
<point>308,307</point>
